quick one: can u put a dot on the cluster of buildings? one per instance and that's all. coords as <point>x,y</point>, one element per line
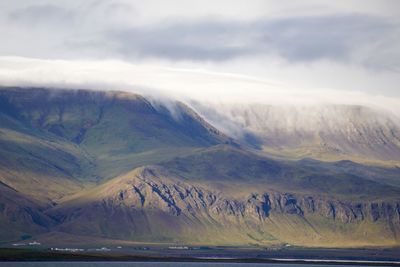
<point>34,243</point>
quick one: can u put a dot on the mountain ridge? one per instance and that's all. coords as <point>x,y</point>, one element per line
<point>325,132</point>
<point>149,190</point>
<point>117,166</point>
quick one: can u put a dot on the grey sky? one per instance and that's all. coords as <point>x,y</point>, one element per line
<point>351,45</point>
<point>296,39</point>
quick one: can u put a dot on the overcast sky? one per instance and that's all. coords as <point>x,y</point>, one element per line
<point>342,50</point>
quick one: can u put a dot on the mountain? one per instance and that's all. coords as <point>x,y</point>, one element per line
<point>61,138</point>
<point>150,204</point>
<point>226,165</point>
<point>78,165</point>
<point>326,132</point>
<point>20,216</point>
<point>54,143</point>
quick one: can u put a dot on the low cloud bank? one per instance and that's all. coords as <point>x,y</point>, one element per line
<point>186,85</point>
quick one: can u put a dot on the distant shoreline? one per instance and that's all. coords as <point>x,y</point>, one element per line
<point>23,255</point>
<point>200,260</point>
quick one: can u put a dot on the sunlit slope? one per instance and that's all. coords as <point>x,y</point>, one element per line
<point>54,143</point>
<point>38,164</point>
<point>118,130</point>
<point>224,164</point>
<point>113,165</point>
<point>150,204</point>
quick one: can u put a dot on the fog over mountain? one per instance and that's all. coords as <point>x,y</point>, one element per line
<point>79,165</point>
<point>238,51</point>
<point>311,130</point>
<point>202,123</point>
<point>268,115</point>
<point>168,83</point>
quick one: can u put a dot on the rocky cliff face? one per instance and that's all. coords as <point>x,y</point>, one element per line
<point>62,156</point>
<point>152,189</point>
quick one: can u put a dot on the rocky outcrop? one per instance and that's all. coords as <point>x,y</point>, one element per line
<point>144,189</point>
<point>55,143</point>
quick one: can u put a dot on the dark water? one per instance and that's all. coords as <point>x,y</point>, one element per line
<point>157,264</point>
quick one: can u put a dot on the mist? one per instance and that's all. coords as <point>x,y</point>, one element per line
<point>170,84</point>
<point>267,52</point>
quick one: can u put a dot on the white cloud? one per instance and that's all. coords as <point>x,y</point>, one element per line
<point>183,84</point>
<point>313,47</point>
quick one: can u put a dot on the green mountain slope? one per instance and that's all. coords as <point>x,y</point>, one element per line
<point>150,204</point>
<point>119,131</point>
<point>113,165</point>
<point>55,143</point>
<point>37,164</point>
<point>224,165</point>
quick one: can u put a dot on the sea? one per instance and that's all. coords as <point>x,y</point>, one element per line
<point>161,264</point>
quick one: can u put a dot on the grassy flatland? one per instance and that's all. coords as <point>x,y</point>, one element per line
<point>323,156</point>
<point>212,254</point>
